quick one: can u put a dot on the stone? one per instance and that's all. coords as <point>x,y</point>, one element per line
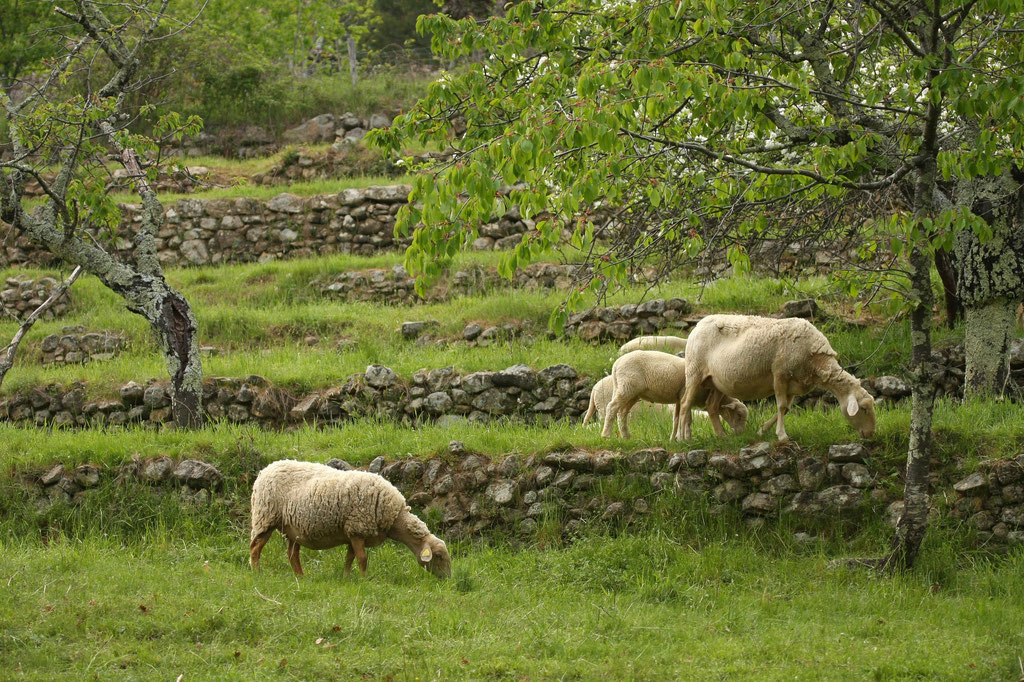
<point>857,475</point>
<point>983,520</point>
<point>849,452</point>
<point>1012,516</point>
<point>132,394</point>
<point>891,387</point>
<point>494,401</point>
<point>376,465</point>
<point>519,376</point>
<point>662,480</point>
<point>472,331</point>
<point>728,465</point>
<point>53,475</point>
<point>156,470</point>
<point>155,396</point>
<point>456,447</point>
<point>197,474</point>
<point>841,498</point>
<point>781,484</point>
<point>195,252</point>
<point>339,464</point>
<point>554,373</point>
<point>501,492</point>
<point>317,129</point>
<point>613,510</point>
<point>420,499</point>
<point>1008,471</point>
<point>893,512</point>
<point>379,121</point>
<point>471,463</point>
<point>759,503</point>
<point>810,473</point>
<point>696,458</point>
<point>443,485</point>
<point>730,490</point>
<point>975,484</point>
<point>411,330</point>
<point>806,308</point>
<point>544,476</point>
<point>412,470</point>
<point>580,461</point>
<point>647,460</point>
<point>477,382</point>
<point>438,402</point>
<point>380,376</point>
<point>87,475</point>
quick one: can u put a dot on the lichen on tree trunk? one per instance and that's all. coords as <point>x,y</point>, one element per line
<point>990,278</point>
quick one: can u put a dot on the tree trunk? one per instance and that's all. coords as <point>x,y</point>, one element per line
<point>990,279</point>
<point>353,66</point>
<point>947,274</point>
<point>910,528</point>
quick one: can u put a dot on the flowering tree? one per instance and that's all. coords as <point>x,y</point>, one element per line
<point>693,126</point>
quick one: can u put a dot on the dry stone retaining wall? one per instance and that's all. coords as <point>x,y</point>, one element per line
<point>75,346</point>
<point>22,296</point>
<point>396,286</point>
<point>212,231</point>
<point>465,494</point>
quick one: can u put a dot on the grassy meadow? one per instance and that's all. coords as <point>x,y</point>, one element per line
<point>129,585</point>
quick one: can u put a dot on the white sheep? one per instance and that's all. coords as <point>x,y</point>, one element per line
<point>658,378</point>
<point>316,506</point>
<point>669,344</point>
<point>750,357</point>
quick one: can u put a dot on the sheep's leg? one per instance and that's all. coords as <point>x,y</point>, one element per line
<point>256,547</point>
<point>348,560</point>
<point>623,418</point>
<point>359,549</point>
<point>675,423</point>
<point>713,405</point>
<point>686,405</point>
<point>610,414</point>
<point>775,418</point>
<point>781,405</point>
<point>293,557</point>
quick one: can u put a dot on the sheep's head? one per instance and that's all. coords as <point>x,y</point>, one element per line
<point>859,409</point>
<point>735,414</point>
<point>434,557</point>
<point>430,550</point>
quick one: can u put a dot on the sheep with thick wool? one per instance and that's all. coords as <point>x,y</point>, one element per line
<point>318,507</point>
<point>668,344</point>
<point>750,357</point>
<point>656,377</point>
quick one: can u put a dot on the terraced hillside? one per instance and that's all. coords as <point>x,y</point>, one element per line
<point>124,539</point>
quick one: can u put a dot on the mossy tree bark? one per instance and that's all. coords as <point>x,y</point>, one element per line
<point>990,279</point>
<point>56,225</point>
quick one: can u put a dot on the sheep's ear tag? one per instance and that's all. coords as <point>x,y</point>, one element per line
<point>426,555</point>
<point>851,405</point>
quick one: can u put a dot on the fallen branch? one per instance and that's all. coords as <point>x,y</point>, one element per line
<point>7,361</point>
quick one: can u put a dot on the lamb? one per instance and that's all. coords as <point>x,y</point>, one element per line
<point>316,506</point>
<point>669,344</point>
<point>750,357</point>
<point>658,378</point>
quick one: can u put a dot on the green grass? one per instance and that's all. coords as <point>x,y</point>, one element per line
<point>964,435</point>
<point>259,316</point>
<point>687,596</point>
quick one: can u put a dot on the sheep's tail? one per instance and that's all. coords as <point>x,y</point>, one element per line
<point>591,409</point>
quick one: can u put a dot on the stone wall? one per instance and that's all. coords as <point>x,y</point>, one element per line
<point>622,323</point>
<point>444,395</point>
<point>464,494</point>
<point>396,286</point>
<point>75,346</point>
<point>435,395</point>
<point>991,500</point>
<point>22,296</point>
<point>212,231</point>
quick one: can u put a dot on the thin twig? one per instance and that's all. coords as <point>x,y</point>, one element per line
<point>272,601</point>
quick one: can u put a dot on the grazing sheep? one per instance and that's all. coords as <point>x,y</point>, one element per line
<point>750,357</point>
<point>316,506</point>
<point>669,344</point>
<point>658,378</point>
